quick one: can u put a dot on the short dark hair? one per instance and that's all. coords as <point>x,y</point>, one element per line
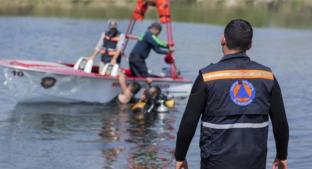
<point>238,34</point>
<point>155,25</point>
<point>155,92</point>
<point>135,87</point>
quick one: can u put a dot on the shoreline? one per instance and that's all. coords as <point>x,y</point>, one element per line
<point>277,13</point>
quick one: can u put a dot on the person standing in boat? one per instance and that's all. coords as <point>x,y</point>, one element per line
<point>142,49</point>
<point>234,99</point>
<point>110,45</point>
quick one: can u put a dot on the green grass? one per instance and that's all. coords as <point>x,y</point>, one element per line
<point>294,14</point>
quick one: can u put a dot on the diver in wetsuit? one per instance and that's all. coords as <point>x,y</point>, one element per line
<point>150,100</point>
<point>153,99</point>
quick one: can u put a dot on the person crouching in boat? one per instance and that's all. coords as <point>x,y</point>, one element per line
<point>128,91</point>
<point>143,47</point>
<point>110,45</point>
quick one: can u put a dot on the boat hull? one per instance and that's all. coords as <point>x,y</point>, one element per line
<point>34,82</point>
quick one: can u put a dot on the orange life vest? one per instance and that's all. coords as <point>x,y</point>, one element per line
<point>163,8</point>
<point>140,10</point>
<point>109,45</point>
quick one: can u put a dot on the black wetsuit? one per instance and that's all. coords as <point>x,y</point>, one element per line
<point>196,106</point>
<point>141,51</point>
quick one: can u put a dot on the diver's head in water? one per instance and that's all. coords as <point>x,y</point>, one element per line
<point>148,100</point>
<point>151,94</point>
<point>155,91</point>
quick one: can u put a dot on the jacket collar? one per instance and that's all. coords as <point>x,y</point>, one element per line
<point>235,56</point>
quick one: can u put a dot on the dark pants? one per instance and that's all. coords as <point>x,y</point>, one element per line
<point>138,66</point>
<point>107,59</point>
<point>204,163</point>
<point>208,163</point>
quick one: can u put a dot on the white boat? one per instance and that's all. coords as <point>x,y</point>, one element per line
<point>38,81</point>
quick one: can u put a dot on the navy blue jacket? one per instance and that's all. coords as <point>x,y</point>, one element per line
<point>234,99</point>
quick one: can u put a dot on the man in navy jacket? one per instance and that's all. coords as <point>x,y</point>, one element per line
<point>234,100</point>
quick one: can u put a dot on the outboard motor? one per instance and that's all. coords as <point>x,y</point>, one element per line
<point>109,69</point>
<point>84,64</point>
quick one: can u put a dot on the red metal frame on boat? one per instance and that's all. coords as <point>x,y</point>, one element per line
<point>139,7</point>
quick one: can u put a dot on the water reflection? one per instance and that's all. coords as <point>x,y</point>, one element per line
<point>123,139</point>
<point>111,156</point>
<point>112,131</point>
<point>150,138</point>
<point>54,121</point>
<point>141,138</point>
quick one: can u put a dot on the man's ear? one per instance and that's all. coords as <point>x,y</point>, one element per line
<point>223,40</point>
<point>250,45</point>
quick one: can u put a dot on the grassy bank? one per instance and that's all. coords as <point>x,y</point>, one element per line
<point>285,13</point>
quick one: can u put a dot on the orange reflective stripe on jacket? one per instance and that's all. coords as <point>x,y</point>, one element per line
<point>238,74</point>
